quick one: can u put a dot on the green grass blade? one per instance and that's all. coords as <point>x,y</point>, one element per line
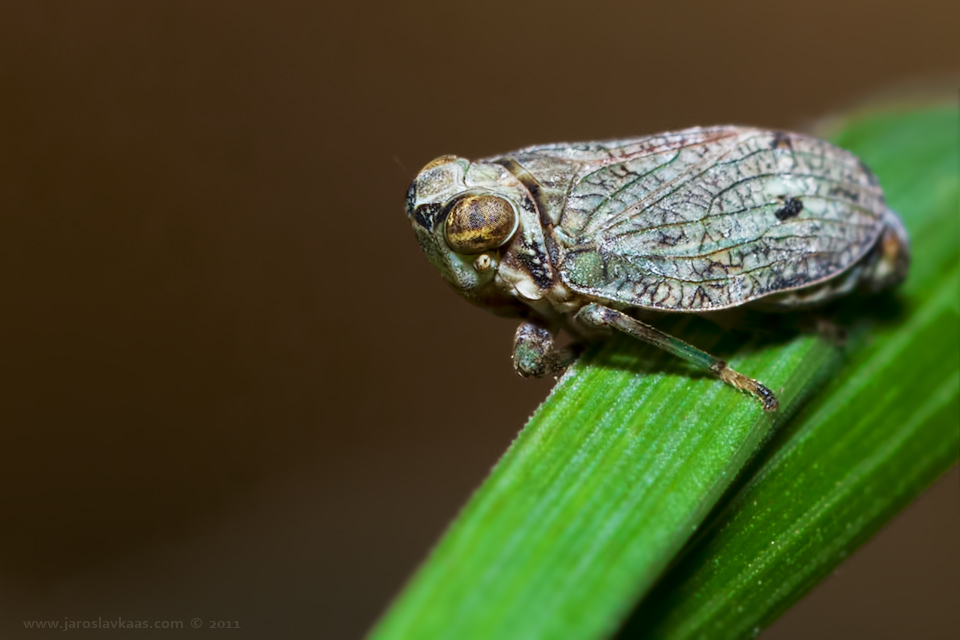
<point>610,479</point>
<point>883,430</point>
<point>605,484</point>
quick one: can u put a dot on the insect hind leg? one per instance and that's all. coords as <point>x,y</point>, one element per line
<point>599,316</point>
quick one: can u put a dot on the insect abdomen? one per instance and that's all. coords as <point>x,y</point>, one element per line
<point>892,253</point>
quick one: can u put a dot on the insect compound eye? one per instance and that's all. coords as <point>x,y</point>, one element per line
<point>478,223</point>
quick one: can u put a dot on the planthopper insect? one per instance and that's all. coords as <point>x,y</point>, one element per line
<point>606,235</point>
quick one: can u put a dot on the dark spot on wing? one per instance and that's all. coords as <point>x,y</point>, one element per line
<point>781,140</point>
<point>842,191</point>
<point>790,209</point>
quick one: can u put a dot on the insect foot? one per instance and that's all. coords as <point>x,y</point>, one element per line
<point>534,354</point>
<point>596,315</point>
<point>766,397</point>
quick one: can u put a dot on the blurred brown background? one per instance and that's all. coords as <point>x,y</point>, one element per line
<point>230,380</point>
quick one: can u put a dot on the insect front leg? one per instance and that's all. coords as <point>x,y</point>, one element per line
<point>534,354</point>
<point>596,315</point>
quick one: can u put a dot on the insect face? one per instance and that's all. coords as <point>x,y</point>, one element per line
<point>462,218</point>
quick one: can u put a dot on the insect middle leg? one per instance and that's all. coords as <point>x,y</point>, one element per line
<point>534,354</point>
<point>596,315</point>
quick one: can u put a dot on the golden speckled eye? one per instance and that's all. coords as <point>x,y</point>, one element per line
<point>478,223</point>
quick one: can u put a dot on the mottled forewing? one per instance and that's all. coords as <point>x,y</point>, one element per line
<point>711,218</point>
